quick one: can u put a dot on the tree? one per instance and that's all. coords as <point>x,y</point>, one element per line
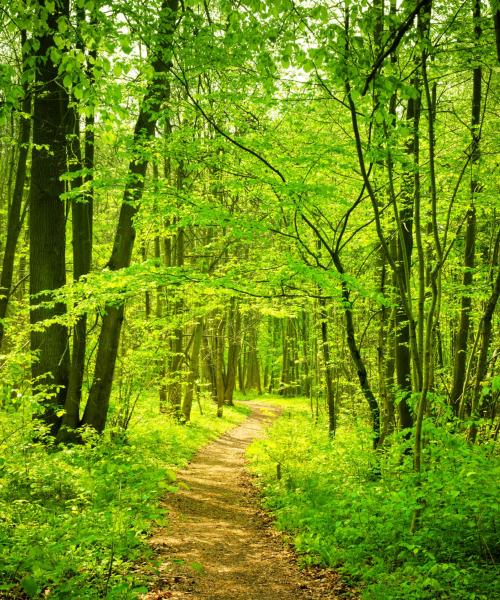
<point>98,401</point>
<point>16,212</point>
<point>47,214</point>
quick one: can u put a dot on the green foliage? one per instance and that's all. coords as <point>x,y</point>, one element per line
<point>349,508</point>
<point>253,180</point>
<point>74,521</point>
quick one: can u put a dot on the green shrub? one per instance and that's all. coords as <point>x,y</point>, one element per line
<point>74,521</point>
<point>349,507</point>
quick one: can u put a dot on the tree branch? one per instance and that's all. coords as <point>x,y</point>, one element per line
<point>398,36</point>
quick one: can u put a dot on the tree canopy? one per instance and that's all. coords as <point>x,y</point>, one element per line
<point>296,198</point>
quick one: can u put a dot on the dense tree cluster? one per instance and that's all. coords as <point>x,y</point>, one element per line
<point>297,197</point>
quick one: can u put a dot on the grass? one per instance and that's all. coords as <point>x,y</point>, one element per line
<point>348,508</point>
<point>74,521</point>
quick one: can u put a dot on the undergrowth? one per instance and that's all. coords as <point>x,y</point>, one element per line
<point>74,520</point>
<point>349,508</point>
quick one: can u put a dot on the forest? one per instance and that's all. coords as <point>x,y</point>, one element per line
<point>250,277</point>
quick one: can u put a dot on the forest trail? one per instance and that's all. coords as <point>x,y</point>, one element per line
<point>218,544</point>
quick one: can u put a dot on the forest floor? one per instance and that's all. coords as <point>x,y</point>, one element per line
<point>219,544</point>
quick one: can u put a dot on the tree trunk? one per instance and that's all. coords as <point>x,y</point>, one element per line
<point>82,209</point>
<point>98,402</point>
<point>219,365</point>
<point>357,358</point>
<point>15,216</point>
<point>285,387</point>
<point>460,355</point>
<point>330,396</point>
<point>305,344</point>
<point>162,388</point>
<point>48,225</point>
<point>194,367</point>
<point>234,334</point>
<point>209,366</point>
<point>174,388</point>
<point>385,363</point>
<point>252,367</point>
<point>482,365</point>
<point>404,249</point>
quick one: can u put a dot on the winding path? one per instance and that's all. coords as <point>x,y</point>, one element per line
<point>217,544</point>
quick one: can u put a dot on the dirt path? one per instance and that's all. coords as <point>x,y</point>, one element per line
<point>218,545</point>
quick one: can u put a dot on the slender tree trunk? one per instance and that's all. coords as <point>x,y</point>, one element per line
<point>460,355</point>
<point>496,26</point>
<point>82,226</point>
<point>234,333</point>
<point>360,367</point>
<point>482,364</point>
<point>385,364</point>
<point>209,365</point>
<point>174,389</point>
<point>350,330</point>
<point>15,215</point>
<point>285,360</point>
<point>194,367</point>
<point>241,377</point>
<point>219,365</point>
<point>253,366</point>
<point>98,402</point>
<point>162,389</point>
<point>357,358</point>
<point>404,249</point>
<point>330,395</point>
<point>305,343</point>
<point>147,293</point>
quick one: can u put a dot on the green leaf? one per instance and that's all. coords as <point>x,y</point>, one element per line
<point>170,475</point>
<point>29,586</point>
<point>67,81</point>
<point>62,25</point>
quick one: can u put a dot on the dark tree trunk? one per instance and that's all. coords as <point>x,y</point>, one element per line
<point>48,224</point>
<point>385,363</point>
<point>209,366</point>
<point>98,402</point>
<point>241,377</point>
<point>482,365</point>
<point>404,249</point>
<point>285,361</point>
<point>460,354</point>
<point>82,221</point>
<point>351,335</point>
<point>174,388</point>
<point>253,367</point>
<point>357,358</point>
<point>194,367</point>
<point>330,395</point>
<point>496,24</point>
<point>15,216</point>
<point>234,334</point>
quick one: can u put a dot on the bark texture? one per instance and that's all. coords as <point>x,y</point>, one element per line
<point>48,224</point>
